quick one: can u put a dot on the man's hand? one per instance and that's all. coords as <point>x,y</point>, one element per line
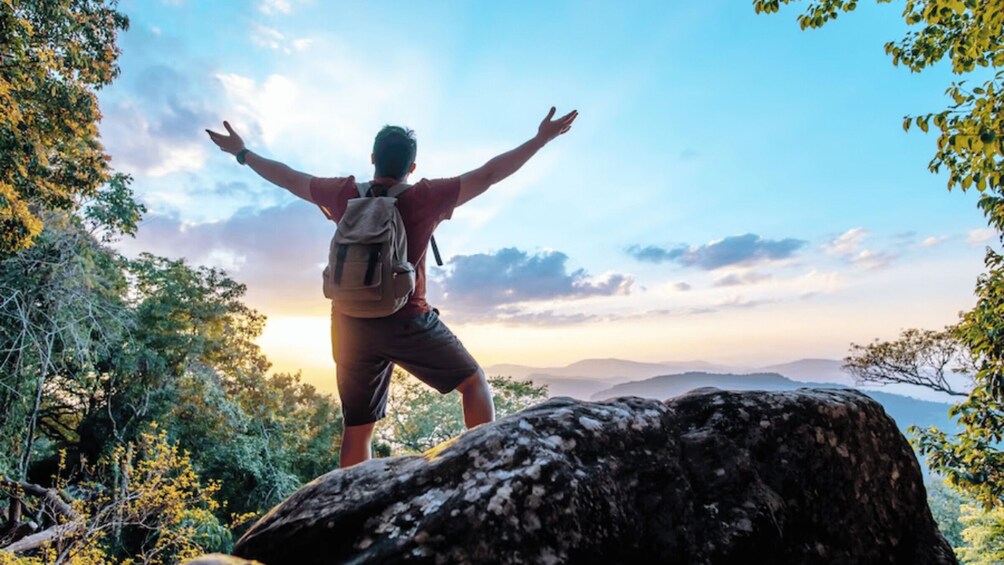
<point>232,143</point>
<point>273,171</point>
<point>550,129</point>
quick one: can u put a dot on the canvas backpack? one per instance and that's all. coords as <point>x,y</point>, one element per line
<point>368,273</point>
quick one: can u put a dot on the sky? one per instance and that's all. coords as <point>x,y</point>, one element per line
<point>735,190</point>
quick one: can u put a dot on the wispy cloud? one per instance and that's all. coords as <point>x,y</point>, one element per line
<point>933,241</point>
<point>983,236</point>
<point>846,243</point>
<point>270,38</point>
<point>849,246</point>
<point>741,279</point>
<point>747,249</point>
<point>270,7</point>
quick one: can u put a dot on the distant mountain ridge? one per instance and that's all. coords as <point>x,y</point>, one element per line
<point>905,410</point>
<point>584,378</point>
<point>595,379</point>
<point>606,369</point>
<point>810,370</point>
<point>668,386</point>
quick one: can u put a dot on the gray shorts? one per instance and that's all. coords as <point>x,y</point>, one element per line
<point>366,350</point>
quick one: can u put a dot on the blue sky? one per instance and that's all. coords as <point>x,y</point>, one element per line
<point>735,189</point>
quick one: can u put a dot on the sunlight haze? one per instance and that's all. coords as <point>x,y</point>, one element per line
<point>734,190</point>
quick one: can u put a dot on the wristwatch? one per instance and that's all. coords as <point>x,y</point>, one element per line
<point>241,155</point>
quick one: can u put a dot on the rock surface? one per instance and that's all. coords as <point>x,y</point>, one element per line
<point>711,477</point>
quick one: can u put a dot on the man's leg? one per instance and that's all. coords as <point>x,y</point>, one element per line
<point>356,442</point>
<point>479,408</point>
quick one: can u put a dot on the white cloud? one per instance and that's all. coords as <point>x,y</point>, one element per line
<point>847,243</point>
<point>140,142</point>
<point>271,38</point>
<point>264,36</point>
<point>269,7</point>
<point>982,236</point>
<point>849,247</point>
<point>326,105</point>
<point>934,241</point>
<point>871,260</point>
<point>816,282</point>
<point>225,259</point>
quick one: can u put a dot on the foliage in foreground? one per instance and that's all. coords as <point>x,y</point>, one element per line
<point>143,503</point>
<point>420,418</point>
<point>970,149</point>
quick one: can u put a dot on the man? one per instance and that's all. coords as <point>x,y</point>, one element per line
<point>366,350</point>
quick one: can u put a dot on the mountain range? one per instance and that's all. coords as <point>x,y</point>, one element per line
<point>598,379</point>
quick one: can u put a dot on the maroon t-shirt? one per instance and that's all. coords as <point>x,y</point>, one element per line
<point>422,207</point>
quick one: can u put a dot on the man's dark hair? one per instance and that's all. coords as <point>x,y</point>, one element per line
<point>394,152</point>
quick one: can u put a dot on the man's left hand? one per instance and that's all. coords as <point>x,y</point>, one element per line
<point>230,143</point>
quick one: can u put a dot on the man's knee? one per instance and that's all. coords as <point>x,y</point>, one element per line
<point>362,432</point>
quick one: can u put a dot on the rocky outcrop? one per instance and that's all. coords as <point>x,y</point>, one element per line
<point>809,476</point>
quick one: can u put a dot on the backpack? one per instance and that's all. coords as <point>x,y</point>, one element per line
<point>368,273</point>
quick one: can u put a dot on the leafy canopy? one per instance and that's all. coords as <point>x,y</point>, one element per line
<point>54,55</point>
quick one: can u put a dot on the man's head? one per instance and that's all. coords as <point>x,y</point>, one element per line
<point>394,152</point>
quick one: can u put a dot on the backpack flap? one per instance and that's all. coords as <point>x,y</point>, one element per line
<point>366,220</point>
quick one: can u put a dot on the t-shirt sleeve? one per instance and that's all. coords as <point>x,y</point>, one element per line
<point>442,197</point>
<point>330,195</point>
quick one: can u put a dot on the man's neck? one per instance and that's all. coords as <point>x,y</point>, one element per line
<point>389,181</point>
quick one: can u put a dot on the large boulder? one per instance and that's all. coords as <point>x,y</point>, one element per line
<point>808,476</point>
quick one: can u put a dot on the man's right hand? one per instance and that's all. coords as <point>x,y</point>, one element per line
<point>550,129</point>
<point>231,144</point>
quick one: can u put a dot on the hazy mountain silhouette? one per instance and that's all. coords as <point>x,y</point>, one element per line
<point>585,378</point>
<point>668,386</point>
<point>905,410</point>
<point>618,370</point>
<point>812,370</point>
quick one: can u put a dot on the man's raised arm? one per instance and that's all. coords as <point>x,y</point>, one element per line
<point>273,171</point>
<point>477,181</point>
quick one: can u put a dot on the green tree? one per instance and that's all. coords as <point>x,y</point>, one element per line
<point>970,149</point>
<point>420,418</point>
<point>54,55</point>
<point>61,312</point>
<point>946,505</point>
<point>983,534</point>
<point>95,348</point>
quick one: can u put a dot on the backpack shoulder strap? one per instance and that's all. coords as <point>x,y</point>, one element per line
<point>397,189</point>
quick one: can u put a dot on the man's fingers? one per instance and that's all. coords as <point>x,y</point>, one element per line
<point>226,124</point>
<point>568,118</point>
<point>550,114</point>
